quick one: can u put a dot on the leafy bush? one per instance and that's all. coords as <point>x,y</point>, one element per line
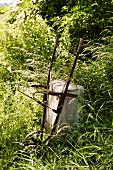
<point>78,19</point>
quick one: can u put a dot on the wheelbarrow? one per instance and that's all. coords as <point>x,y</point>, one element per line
<point>60,93</point>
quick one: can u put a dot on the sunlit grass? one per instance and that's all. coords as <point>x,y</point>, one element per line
<point>25,61</point>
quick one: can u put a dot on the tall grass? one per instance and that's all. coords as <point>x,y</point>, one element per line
<point>23,60</point>
<point>90,148</point>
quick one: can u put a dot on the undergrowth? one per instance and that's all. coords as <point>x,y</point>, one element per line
<point>26,50</point>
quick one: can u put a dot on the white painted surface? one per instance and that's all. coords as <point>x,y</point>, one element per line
<point>69,115</point>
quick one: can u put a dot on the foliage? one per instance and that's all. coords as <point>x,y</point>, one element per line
<point>3,9</point>
<point>78,19</point>
<point>26,44</point>
<point>85,23</point>
<point>50,9</point>
<point>15,121</point>
<point>97,81</point>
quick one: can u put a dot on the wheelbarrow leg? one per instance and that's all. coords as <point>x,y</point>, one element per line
<point>45,98</point>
